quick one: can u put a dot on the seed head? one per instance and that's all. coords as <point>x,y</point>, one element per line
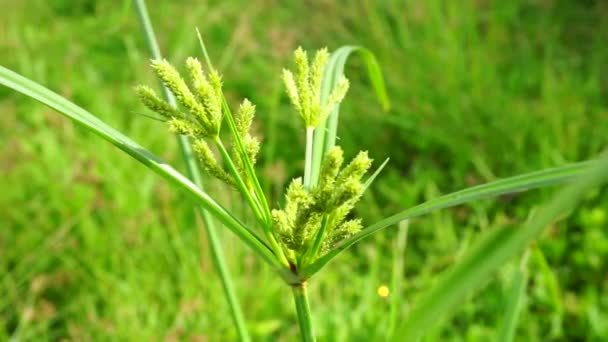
<point>244,117</point>
<point>152,101</point>
<point>356,168</point>
<point>210,163</point>
<point>335,97</point>
<point>204,108</point>
<point>184,127</point>
<point>304,88</point>
<point>328,204</point>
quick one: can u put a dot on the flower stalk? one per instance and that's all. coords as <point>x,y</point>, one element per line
<point>300,297</point>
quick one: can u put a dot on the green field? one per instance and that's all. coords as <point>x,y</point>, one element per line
<point>93,246</point>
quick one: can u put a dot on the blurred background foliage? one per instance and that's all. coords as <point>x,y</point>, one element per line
<point>95,247</point>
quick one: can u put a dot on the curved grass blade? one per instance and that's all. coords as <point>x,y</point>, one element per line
<point>215,247</point>
<point>493,250</point>
<point>87,120</point>
<point>519,183</point>
<point>325,134</point>
<point>397,277</point>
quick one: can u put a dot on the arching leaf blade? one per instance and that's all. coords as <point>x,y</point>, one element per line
<point>489,254</point>
<point>87,120</point>
<point>505,186</point>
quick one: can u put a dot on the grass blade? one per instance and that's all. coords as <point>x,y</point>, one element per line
<point>553,289</point>
<point>494,249</point>
<point>215,248</point>
<point>397,276</point>
<point>515,300</point>
<point>87,120</point>
<point>519,183</point>
<point>325,134</point>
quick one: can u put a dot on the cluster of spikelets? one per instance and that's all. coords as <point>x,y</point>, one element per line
<point>200,114</point>
<point>304,89</point>
<point>314,221</point>
<point>315,217</point>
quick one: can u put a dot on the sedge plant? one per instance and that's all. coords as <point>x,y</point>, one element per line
<point>314,220</point>
<point>315,223</point>
<point>314,217</point>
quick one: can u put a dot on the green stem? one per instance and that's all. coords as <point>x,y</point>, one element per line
<point>251,200</point>
<point>318,151</point>
<point>217,254</point>
<point>259,196</point>
<point>308,157</point>
<point>253,203</point>
<point>259,193</point>
<point>300,298</point>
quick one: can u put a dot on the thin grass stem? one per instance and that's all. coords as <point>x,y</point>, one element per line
<point>217,254</point>
<point>240,183</point>
<point>318,151</point>
<point>259,193</point>
<point>300,297</point>
<point>253,202</point>
<point>308,157</point>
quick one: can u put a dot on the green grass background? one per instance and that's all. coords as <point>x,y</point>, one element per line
<point>95,247</point>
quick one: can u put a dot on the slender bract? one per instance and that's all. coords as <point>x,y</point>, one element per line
<point>215,248</point>
<point>510,185</point>
<point>515,301</point>
<point>494,249</point>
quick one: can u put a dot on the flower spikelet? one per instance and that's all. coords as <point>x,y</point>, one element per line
<point>326,205</point>
<point>304,87</point>
<point>207,95</point>
<point>210,163</point>
<point>243,121</point>
<point>152,101</point>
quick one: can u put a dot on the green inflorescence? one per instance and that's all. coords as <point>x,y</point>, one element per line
<point>200,114</point>
<point>313,220</point>
<point>304,88</point>
<point>324,209</point>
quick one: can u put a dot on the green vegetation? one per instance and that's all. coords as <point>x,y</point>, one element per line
<point>96,247</point>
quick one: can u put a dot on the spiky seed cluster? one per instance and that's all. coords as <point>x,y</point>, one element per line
<point>330,202</point>
<point>304,88</point>
<point>243,121</point>
<point>200,115</point>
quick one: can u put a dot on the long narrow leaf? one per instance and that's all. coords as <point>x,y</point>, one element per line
<point>87,120</point>
<point>496,248</point>
<point>515,301</point>
<point>501,187</point>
